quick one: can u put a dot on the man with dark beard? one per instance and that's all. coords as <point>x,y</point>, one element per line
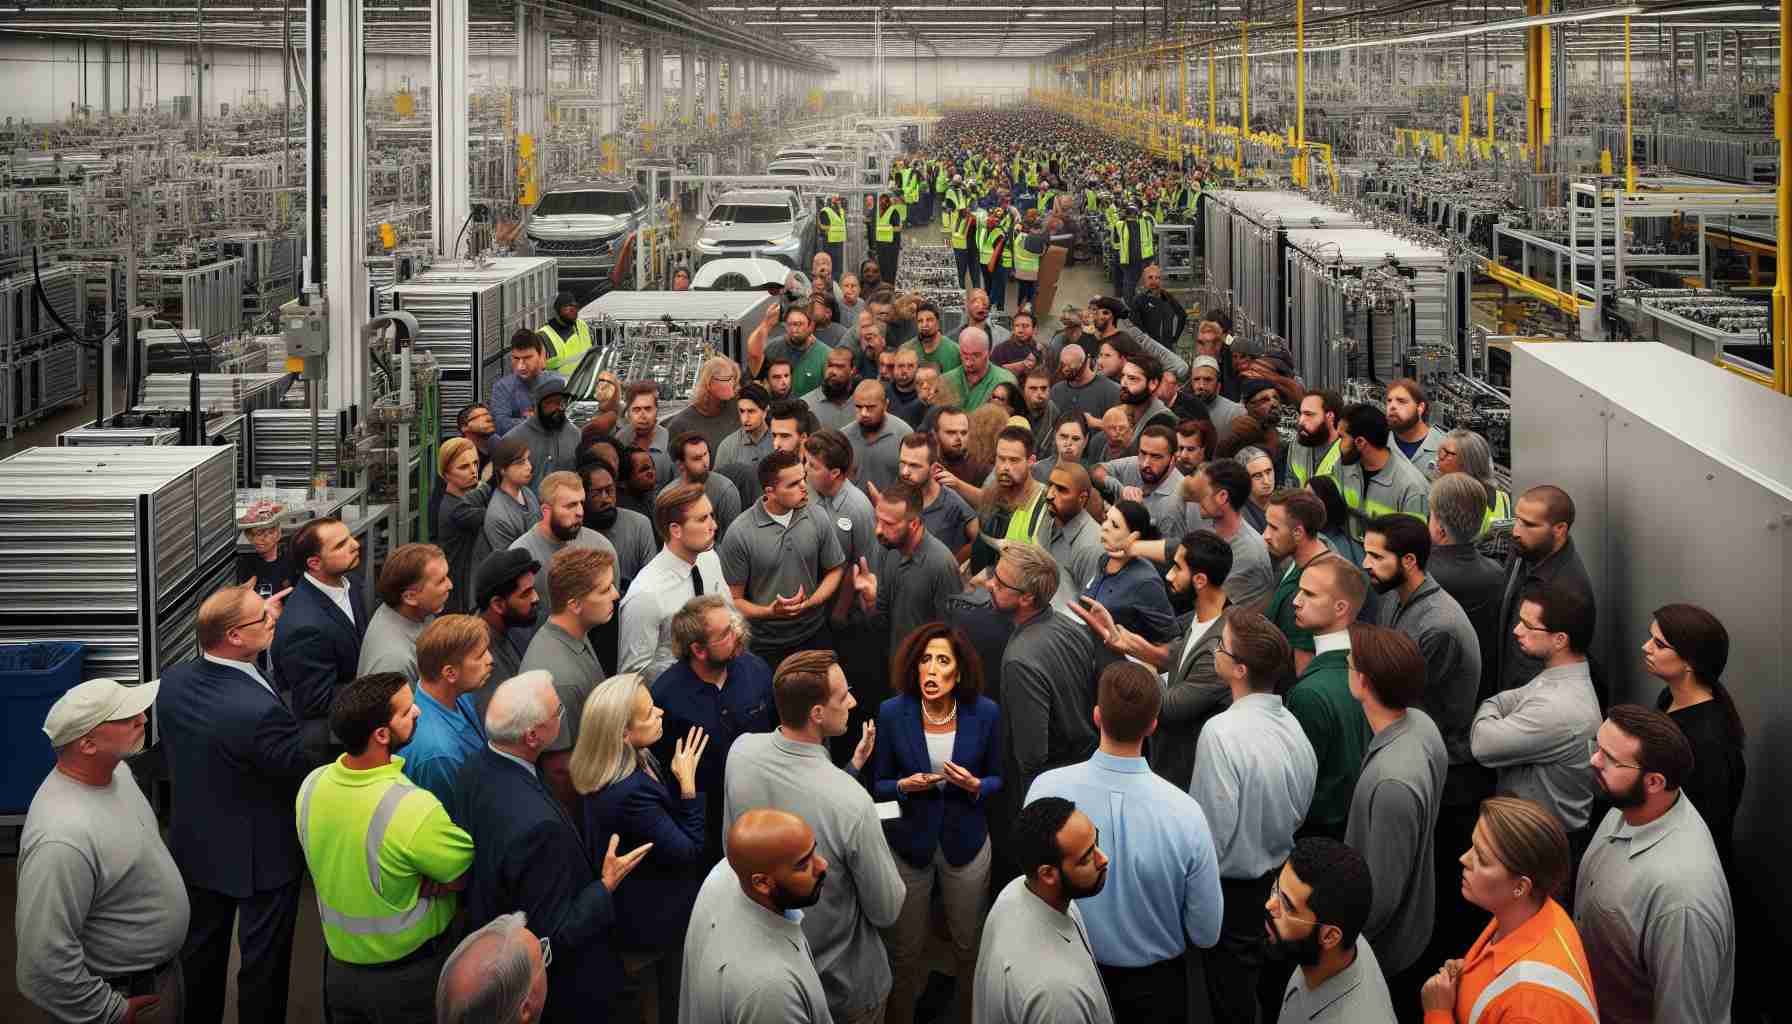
<point>1408,414</point>
<point>1034,965</point>
<point>952,429</point>
<point>1203,398</point>
<point>1150,478</point>
<point>1541,523</point>
<point>1138,373</point>
<point>1315,918</point>
<point>507,598</point>
<point>746,957</point>
<point>902,392</point>
<point>832,400</point>
<point>552,440</point>
<point>1315,450</point>
<point>1080,389</point>
<point>640,481</point>
<point>1042,412</point>
<point>628,531</point>
<point>562,525</point>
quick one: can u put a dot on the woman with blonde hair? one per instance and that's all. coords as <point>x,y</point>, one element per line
<point>1529,964</point>
<point>626,799</point>
<point>457,518</point>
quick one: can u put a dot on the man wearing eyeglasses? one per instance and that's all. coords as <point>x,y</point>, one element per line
<point>713,411</point>
<point>236,758</point>
<point>532,859</point>
<point>1536,735</point>
<point>1315,920</point>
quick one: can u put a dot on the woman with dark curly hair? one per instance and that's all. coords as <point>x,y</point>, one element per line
<point>937,756</point>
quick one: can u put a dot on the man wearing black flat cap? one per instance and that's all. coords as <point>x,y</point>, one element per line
<point>504,587</point>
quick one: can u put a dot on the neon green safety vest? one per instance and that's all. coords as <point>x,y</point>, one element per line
<point>566,350</point>
<point>1123,241</point>
<point>1045,200</point>
<point>940,179</point>
<point>1147,236</point>
<point>835,224</point>
<point>1299,469</point>
<point>961,228</point>
<point>1501,509</point>
<point>911,187</point>
<point>1024,261</point>
<point>987,236</point>
<point>369,838</point>
<point>886,227</point>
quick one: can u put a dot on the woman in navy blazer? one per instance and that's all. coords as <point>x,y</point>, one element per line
<point>627,798</point>
<point>938,750</point>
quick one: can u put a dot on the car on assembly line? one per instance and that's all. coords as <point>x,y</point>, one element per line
<point>589,227</point>
<point>773,223</point>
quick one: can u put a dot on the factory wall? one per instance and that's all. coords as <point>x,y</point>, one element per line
<point>938,80</point>
<point>45,78</point>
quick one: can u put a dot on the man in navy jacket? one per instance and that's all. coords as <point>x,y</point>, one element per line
<point>528,855</point>
<point>318,644</point>
<point>236,759</point>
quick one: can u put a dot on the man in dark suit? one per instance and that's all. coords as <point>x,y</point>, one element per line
<point>528,855</point>
<point>235,759</point>
<point>318,644</point>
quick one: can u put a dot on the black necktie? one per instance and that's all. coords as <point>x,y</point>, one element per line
<point>696,581</point>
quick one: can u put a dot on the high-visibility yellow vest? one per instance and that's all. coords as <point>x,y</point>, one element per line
<point>369,838</point>
<point>835,224</point>
<point>1302,471</point>
<point>886,226</point>
<point>1123,241</point>
<point>961,228</point>
<point>940,179</point>
<point>987,235</point>
<point>911,186</point>
<point>1024,261</point>
<point>567,350</point>
<point>1147,236</point>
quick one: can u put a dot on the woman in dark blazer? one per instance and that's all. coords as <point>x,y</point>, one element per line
<point>457,519</point>
<point>937,756</point>
<point>628,798</point>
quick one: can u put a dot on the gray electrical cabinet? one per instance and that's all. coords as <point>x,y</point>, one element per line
<point>1681,475</point>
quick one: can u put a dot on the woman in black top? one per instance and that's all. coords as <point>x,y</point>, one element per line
<point>1687,649</point>
<point>457,519</point>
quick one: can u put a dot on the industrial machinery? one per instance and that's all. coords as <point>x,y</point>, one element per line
<point>662,337</point>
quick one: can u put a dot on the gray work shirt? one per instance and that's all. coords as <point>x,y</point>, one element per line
<point>656,446</point>
<point>831,415</point>
<point>542,548</point>
<point>390,643</point>
<point>1092,399</point>
<point>1537,737</point>
<point>1255,771</point>
<point>853,520</point>
<point>738,447</point>
<point>1222,411</point>
<point>1035,965</point>
<point>1393,818</point>
<point>1164,501</point>
<point>912,589</point>
<point>864,891</point>
<point>632,537</point>
<point>948,517</point>
<point>768,560</point>
<point>1076,547</point>
<point>1253,577</point>
<point>1653,909</point>
<point>1047,700</point>
<point>744,964</point>
<point>576,671</point>
<point>874,458</point>
<point>508,518</point>
<point>99,895</point>
<point>1452,651</point>
<point>1355,995</point>
<point>713,427</point>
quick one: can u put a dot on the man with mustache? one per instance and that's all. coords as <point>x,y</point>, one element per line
<point>1034,964</point>
<point>1315,919</point>
<point>832,400</point>
<point>789,769</point>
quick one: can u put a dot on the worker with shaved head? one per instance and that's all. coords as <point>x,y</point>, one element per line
<point>876,437</point>
<point>745,957</point>
<point>1072,537</point>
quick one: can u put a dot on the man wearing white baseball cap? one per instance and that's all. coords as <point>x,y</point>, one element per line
<point>99,894</point>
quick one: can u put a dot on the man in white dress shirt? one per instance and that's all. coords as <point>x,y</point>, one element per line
<point>685,568</point>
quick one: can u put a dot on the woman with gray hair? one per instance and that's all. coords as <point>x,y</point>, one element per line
<point>626,793</point>
<point>497,975</point>
<point>1464,451</point>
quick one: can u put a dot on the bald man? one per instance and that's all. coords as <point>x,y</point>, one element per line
<point>1081,389</point>
<point>876,437</point>
<point>1073,537</point>
<point>745,958</point>
<point>976,376</point>
<point>496,973</point>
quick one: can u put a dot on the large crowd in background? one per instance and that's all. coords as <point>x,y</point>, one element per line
<point>915,670</point>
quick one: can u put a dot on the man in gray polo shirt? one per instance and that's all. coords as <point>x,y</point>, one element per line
<point>691,465</point>
<point>1150,478</point>
<point>914,573</point>
<point>831,402</point>
<point>562,525</point>
<point>584,598</point>
<point>1336,977</point>
<point>1651,901</point>
<point>788,769</point>
<point>1071,536</point>
<point>781,565</point>
<point>876,436</point>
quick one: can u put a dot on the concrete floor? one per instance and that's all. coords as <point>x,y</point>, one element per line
<point>1076,285</point>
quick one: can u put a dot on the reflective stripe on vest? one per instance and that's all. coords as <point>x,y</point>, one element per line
<point>886,231</point>
<point>1147,237</point>
<point>382,924</point>
<point>1024,261</point>
<point>1501,509</point>
<point>566,349</point>
<point>1326,464</point>
<point>1533,972</point>
<point>835,224</point>
<point>1123,240</point>
<point>961,229</point>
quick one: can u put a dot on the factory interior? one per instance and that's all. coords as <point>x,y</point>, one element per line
<point>275,266</point>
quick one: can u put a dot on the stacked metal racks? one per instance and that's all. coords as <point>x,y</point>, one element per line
<point>270,271</point>
<point>40,368</point>
<point>1246,239</point>
<point>663,337</point>
<point>115,548</point>
<point>280,444</point>
<point>466,314</point>
<point>207,297</point>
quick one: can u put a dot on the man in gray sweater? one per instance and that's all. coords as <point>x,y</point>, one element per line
<point>788,769</point>
<point>102,911</point>
<point>414,587</point>
<point>1393,810</point>
<point>562,525</point>
<point>746,958</point>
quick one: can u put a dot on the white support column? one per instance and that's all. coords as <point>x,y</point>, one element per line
<point>609,78</point>
<point>448,59</point>
<point>712,88</point>
<point>736,68</point>
<point>653,81</point>
<point>345,182</point>
<point>687,84</point>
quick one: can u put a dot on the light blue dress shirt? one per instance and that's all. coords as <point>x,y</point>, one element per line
<point>1163,887</point>
<point>445,737</point>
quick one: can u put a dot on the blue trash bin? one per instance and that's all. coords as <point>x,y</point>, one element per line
<point>32,678</point>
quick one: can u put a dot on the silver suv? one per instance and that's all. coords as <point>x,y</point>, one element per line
<point>586,226</point>
<point>771,222</point>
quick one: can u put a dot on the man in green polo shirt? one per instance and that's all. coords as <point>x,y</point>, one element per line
<point>976,376</point>
<point>1294,521</point>
<point>1331,591</point>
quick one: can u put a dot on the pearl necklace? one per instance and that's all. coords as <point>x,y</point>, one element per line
<point>950,715</point>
